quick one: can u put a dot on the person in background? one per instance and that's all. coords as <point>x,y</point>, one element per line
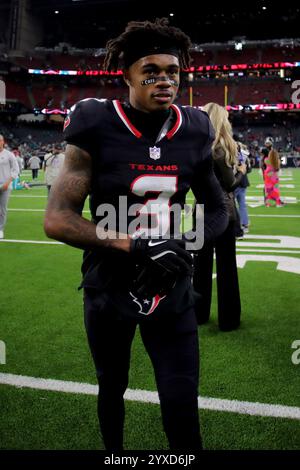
<point>9,170</point>
<point>240,191</point>
<point>34,164</point>
<point>269,142</point>
<point>53,163</point>
<point>268,145</point>
<point>16,182</point>
<point>262,166</point>
<point>225,153</point>
<point>19,159</point>
<point>271,179</point>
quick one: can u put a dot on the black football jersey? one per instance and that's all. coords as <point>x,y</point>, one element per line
<point>129,168</point>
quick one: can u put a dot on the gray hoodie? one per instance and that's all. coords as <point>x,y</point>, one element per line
<point>8,166</point>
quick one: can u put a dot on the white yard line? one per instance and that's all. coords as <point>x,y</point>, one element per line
<point>26,210</point>
<point>288,186</point>
<point>255,250</point>
<point>274,237</point>
<point>289,199</point>
<point>258,191</point>
<point>144,396</point>
<point>35,210</point>
<point>280,241</point>
<point>274,215</point>
<point>38,242</point>
<point>88,212</point>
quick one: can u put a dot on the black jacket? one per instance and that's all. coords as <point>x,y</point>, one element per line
<point>228,180</point>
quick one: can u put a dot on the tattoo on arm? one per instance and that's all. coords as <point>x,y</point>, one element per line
<point>73,184</point>
<point>63,219</point>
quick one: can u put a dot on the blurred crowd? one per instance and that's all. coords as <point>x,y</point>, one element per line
<point>31,142</point>
<point>37,140</point>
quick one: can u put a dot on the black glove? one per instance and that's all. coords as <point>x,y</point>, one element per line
<point>170,254</point>
<point>159,265</point>
<point>153,279</point>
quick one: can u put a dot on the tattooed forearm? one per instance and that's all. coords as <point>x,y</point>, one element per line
<point>74,187</point>
<point>73,184</point>
<point>79,184</point>
<point>63,220</point>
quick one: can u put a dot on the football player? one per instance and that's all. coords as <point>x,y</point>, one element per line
<point>149,152</point>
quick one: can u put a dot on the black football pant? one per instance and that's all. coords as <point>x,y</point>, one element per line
<point>229,304</point>
<point>172,346</point>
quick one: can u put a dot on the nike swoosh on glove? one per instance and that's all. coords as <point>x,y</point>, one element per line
<point>171,254</point>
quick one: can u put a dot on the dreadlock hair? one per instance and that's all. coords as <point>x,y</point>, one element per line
<point>140,32</point>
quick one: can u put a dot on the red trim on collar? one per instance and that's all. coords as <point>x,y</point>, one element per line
<point>121,113</point>
<point>177,124</point>
<point>125,119</point>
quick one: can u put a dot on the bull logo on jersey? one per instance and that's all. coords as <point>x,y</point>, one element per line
<point>147,305</point>
<point>154,152</point>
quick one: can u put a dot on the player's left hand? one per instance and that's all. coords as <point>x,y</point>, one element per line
<point>159,265</point>
<point>169,253</point>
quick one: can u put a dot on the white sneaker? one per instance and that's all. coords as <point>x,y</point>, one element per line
<point>1,234</point>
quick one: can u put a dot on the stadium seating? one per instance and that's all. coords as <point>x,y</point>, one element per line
<point>58,92</point>
<point>268,91</point>
<point>215,56</point>
<point>18,92</point>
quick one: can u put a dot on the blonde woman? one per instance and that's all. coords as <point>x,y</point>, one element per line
<point>229,174</point>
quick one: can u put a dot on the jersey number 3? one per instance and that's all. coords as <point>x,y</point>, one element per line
<point>156,210</point>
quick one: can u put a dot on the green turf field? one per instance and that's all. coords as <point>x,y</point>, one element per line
<point>41,325</point>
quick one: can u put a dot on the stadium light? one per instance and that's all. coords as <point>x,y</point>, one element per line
<point>238,46</point>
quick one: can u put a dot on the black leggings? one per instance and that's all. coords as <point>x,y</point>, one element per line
<point>229,304</point>
<point>172,346</point>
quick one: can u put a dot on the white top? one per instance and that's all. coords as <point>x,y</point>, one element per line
<point>34,163</point>
<point>53,165</point>
<point>9,167</point>
<point>20,163</point>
